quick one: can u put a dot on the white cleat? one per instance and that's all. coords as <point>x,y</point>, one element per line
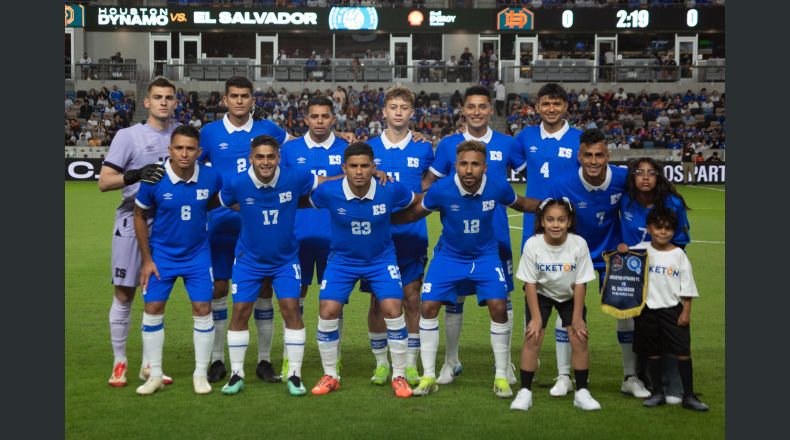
<point>447,373</point>
<point>673,400</point>
<point>152,385</point>
<point>511,374</point>
<point>201,385</point>
<point>562,386</point>
<point>632,385</point>
<point>145,371</point>
<point>523,400</point>
<point>582,399</point>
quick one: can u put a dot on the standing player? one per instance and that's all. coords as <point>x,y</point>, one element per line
<point>595,189</point>
<point>268,197</point>
<point>178,247</point>
<point>226,144</point>
<point>406,161</point>
<point>550,150</point>
<point>360,210</point>
<point>503,152</point>
<point>131,158</point>
<point>467,253</point>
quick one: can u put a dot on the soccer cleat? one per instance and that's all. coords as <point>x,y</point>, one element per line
<point>200,385</point>
<point>632,385</point>
<point>582,399</point>
<point>412,376</point>
<point>502,388</point>
<point>426,386</point>
<point>692,402</point>
<point>380,375</point>
<point>265,371</point>
<point>511,374</point>
<point>234,385</point>
<point>673,400</point>
<point>448,372</point>
<point>655,400</point>
<point>118,377</point>
<point>295,386</point>
<point>523,400</point>
<point>326,385</point>
<point>401,387</point>
<point>152,385</point>
<point>284,369</point>
<point>562,386</point>
<point>217,371</point>
<point>145,372</point>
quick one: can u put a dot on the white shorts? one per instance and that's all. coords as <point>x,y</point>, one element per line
<point>126,261</point>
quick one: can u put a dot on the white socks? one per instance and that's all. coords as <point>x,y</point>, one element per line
<point>563,348</point>
<point>625,335</point>
<point>203,338</point>
<point>510,328</point>
<point>378,345</point>
<point>153,341</point>
<point>219,309</point>
<point>328,337</point>
<point>294,346</point>
<point>119,328</point>
<point>500,342</point>
<point>396,339</point>
<point>237,348</point>
<point>453,321</point>
<point>429,345</point>
<point>264,323</point>
<point>414,350</point>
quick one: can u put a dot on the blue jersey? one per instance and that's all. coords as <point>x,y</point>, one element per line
<point>361,227</point>
<point>405,162</point>
<point>324,159</point>
<point>268,213</point>
<point>597,209</point>
<point>178,233</point>
<point>503,152</point>
<point>467,219</point>
<point>633,221</point>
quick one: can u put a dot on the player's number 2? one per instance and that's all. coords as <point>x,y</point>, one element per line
<point>241,165</point>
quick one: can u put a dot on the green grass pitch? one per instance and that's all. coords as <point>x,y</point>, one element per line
<point>465,409</point>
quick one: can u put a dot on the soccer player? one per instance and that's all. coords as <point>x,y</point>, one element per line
<point>226,144</point>
<point>361,248</point>
<point>503,152</point>
<point>406,160</point>
<point>267,196</point>
<point>467,252</point>
<point>178,247</point>
<point>595,189</point>
<point>132,156</point>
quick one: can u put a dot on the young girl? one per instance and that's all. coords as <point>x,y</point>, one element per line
<point>555,266</point>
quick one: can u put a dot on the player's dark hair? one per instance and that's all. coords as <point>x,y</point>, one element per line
<point>240,82</point>
<point>549,202</point>
<point>185,130</point>
<point>661,216</point>
<point>552,91</point>
<point>663,189</point>
<point>477,91</point>
<point>358,149</point>
<point>161,81</point>
<point>471,145</point>
<point>592,136</point>
<point>321,101</point>
<point>264,140</point>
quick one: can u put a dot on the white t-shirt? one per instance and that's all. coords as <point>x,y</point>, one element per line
<point>669,276</point>
<point>555,269</point>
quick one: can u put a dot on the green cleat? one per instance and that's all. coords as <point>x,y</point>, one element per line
<point>296,387</point>
<point>502,388</point>
<point>412,376</point>
<point>284,370</point>
<point>380,375</point>
<point>426,386</point>
<point>234,385</point>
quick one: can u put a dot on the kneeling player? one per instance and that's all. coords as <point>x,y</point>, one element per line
<point>555,265</point>
<point>178,248</point>
<point>467,252</point>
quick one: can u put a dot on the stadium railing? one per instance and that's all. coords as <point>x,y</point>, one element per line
<point>627,70</point>
<point>105,70</point>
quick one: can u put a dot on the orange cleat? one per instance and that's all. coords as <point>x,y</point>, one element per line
<point>326,385</point>
<point>401,387</point>
<point>118,378</point>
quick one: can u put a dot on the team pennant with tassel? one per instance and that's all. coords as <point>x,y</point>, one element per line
<point>624,290</point>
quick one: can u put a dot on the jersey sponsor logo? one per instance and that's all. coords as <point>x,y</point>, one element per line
<point>285,197</point>
<point>628,216</point>
<point>413,162</point>
<point>634,264</point>
<point>223,146</point>
<point>616,198</point>
<point>377,161</point>
<point>202,194</point>
<point>533,149</point>
<point>249,201</point>
<point>495,155</point>
<point>334,159</point>
<point>555,267</point>
<point>488,205</point>
<point>582,205</point>
<point>301,160</point>
<point>167,196</point>
<point>341,211</point>
<point>379,209</point>
<point>669,271</point>
<point>455,208</point>
<point>149,148</point>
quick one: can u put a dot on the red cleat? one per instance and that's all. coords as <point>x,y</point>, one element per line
<point>326,385</point>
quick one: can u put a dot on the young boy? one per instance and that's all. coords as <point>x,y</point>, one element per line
<point>664,322</point>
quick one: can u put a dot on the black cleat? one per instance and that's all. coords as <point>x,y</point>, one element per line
<point>655,400</point>
<point>692,402</point>
<point>217,371</point>
<point>266,372</point>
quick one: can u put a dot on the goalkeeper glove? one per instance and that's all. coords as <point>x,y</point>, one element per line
<point>150,173</point>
